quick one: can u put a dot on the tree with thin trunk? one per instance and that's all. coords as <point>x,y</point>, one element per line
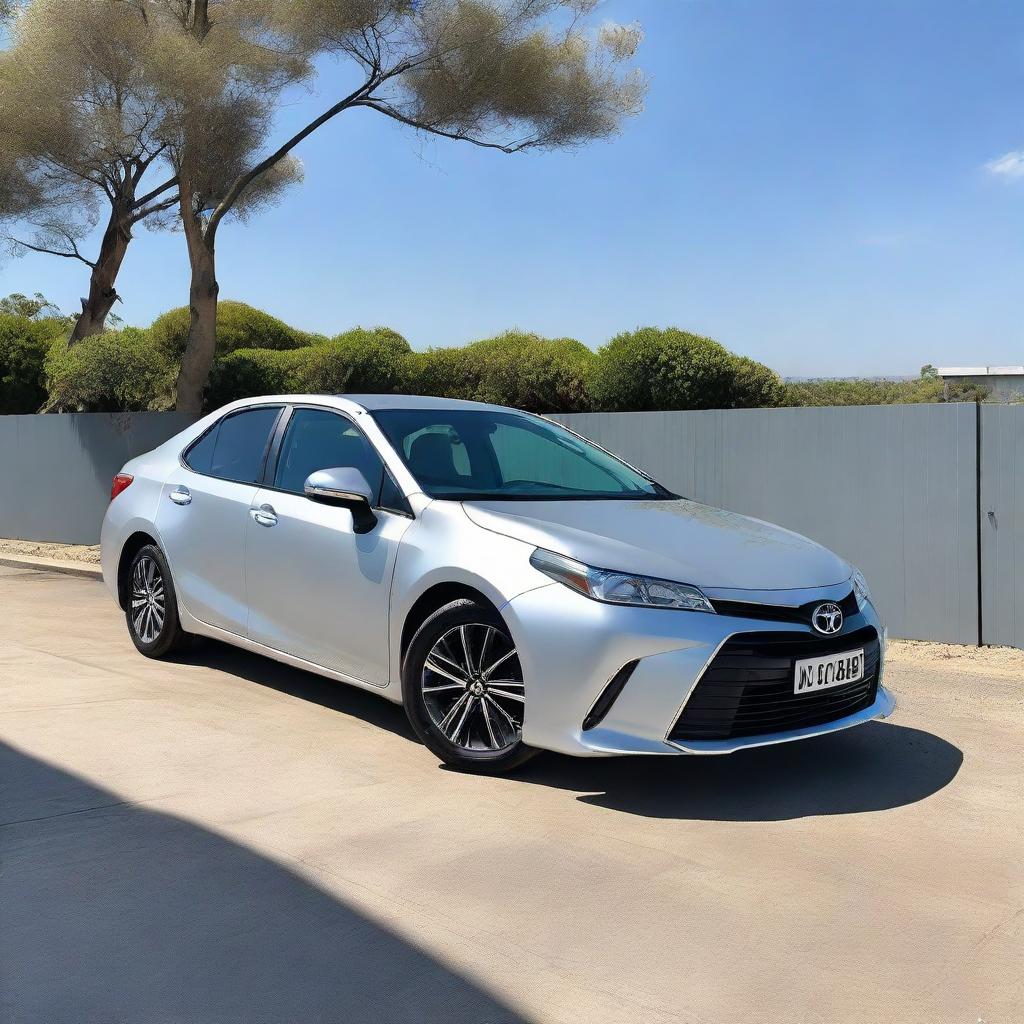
<point>507,75</point>
<point>79,121</point>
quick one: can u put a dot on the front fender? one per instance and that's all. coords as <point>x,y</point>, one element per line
<point>443,546</point>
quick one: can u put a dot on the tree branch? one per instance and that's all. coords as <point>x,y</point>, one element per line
<point>245,180</point>
<point>389,111</point>
<point>76,255</point>
<point>150,196</point>
<point>167,204</point>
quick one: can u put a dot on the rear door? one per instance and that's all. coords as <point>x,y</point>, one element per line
<point>204,509</point>
<point>318,590</point>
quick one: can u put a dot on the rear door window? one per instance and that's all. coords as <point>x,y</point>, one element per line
<point>236,448</point>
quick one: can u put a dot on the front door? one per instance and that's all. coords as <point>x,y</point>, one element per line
<point>318,590</point>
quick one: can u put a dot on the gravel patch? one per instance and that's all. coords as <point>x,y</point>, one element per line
<point>914,654</point>
<point>40,549</point>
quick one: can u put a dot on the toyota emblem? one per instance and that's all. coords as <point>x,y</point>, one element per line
<point>827,618</point>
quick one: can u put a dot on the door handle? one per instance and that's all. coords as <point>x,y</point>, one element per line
<point>264,515</point>
<point>181,496</point>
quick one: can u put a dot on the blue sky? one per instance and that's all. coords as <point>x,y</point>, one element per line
<point>827,186</point>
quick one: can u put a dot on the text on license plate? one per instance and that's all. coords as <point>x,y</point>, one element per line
<point>834,670</point>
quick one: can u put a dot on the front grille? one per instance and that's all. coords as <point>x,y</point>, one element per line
<point>782,613</point>
<point>747,690</point>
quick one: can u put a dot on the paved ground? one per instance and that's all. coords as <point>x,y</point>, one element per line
<point>227,840</point>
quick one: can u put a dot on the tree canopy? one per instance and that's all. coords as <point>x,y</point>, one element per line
<point>509,75</point>
<point>96,97</point>
<point>79,113</point>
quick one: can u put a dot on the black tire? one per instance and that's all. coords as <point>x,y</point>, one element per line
<point>488,742</point>
<point>150,570</point>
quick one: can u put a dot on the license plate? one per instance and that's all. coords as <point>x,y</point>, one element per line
<point>822,673</point>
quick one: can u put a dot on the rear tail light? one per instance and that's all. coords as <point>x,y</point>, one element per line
<point>121,481</point>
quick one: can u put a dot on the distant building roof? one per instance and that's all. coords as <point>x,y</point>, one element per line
<point>980,371</point>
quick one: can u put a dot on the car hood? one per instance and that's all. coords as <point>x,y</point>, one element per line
<point>675,539</point>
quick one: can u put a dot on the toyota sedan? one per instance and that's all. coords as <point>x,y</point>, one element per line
<point>513,585</point>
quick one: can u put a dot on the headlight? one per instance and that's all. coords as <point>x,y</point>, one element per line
<point>619,587</point>
<point>860,587</point>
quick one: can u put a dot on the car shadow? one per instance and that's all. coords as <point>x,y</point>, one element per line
<point>874,767</point>
<point>112,912</point>
<point>256,668</point>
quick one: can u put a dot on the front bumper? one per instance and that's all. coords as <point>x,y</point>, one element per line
<point>570,647</point>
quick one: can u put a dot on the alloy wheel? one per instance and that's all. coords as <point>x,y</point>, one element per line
<point>149,600</point>
<point>472,685</point>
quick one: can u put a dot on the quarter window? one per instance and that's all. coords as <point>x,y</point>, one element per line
<point>317,439</point>
<point>200,456</point>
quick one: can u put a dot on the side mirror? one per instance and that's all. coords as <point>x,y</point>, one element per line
<point>346,488</point>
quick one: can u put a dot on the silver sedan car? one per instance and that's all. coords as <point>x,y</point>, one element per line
<point>514,585</point>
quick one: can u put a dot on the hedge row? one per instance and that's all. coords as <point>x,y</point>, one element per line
<point>647,369</point>
<point>134,369</point>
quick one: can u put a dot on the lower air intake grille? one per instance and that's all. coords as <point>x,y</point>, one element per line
<point>747,690</point>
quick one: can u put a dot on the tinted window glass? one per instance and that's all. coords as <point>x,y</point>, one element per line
<point>317,439</point>
<point>525,456</point>
<point>200,455</point>
<point>455,453</point>
<point>241,444</point>
<point>391,496</point>
<point>444,442</point>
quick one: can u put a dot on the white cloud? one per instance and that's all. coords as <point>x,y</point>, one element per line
<point>1009,165</point>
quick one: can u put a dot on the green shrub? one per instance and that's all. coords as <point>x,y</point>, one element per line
<point>856,391</point>
<point>755,386</point>
<point>654,368</point>
<point>111,372</point>
<point>255,371</point>
<point>238,326</point>
<point>305,339</point>
<point>517,369</point>
<point>24,344</point>
<point>443,373</point>
<point>360,361</point>
<point>529,372</point>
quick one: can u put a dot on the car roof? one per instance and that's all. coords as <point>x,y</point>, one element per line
<point>362,403</point>
<point>374,402</point>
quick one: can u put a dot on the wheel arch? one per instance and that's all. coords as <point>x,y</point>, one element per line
<point>131,547</point>
<point>434,597</point>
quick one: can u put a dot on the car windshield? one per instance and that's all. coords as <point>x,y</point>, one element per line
<point>464,454</point>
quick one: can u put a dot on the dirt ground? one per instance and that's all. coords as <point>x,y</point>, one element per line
<point>39,549</point>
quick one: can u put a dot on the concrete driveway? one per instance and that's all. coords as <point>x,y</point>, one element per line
<point>222,839</point>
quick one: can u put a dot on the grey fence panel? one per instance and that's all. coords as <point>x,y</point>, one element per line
<point>891,488</point>
<point>55,471</point>
<point>1002,524</point>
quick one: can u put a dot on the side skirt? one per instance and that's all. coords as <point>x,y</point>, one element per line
<point>193,625</point>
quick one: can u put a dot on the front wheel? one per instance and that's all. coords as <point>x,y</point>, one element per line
<point>464,691</point>
<point>152,609</point>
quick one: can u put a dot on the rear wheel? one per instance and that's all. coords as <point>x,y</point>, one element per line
<point>152,607</point>
<point>464,691</point>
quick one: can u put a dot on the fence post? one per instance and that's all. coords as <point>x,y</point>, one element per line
<point>977,501</point>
